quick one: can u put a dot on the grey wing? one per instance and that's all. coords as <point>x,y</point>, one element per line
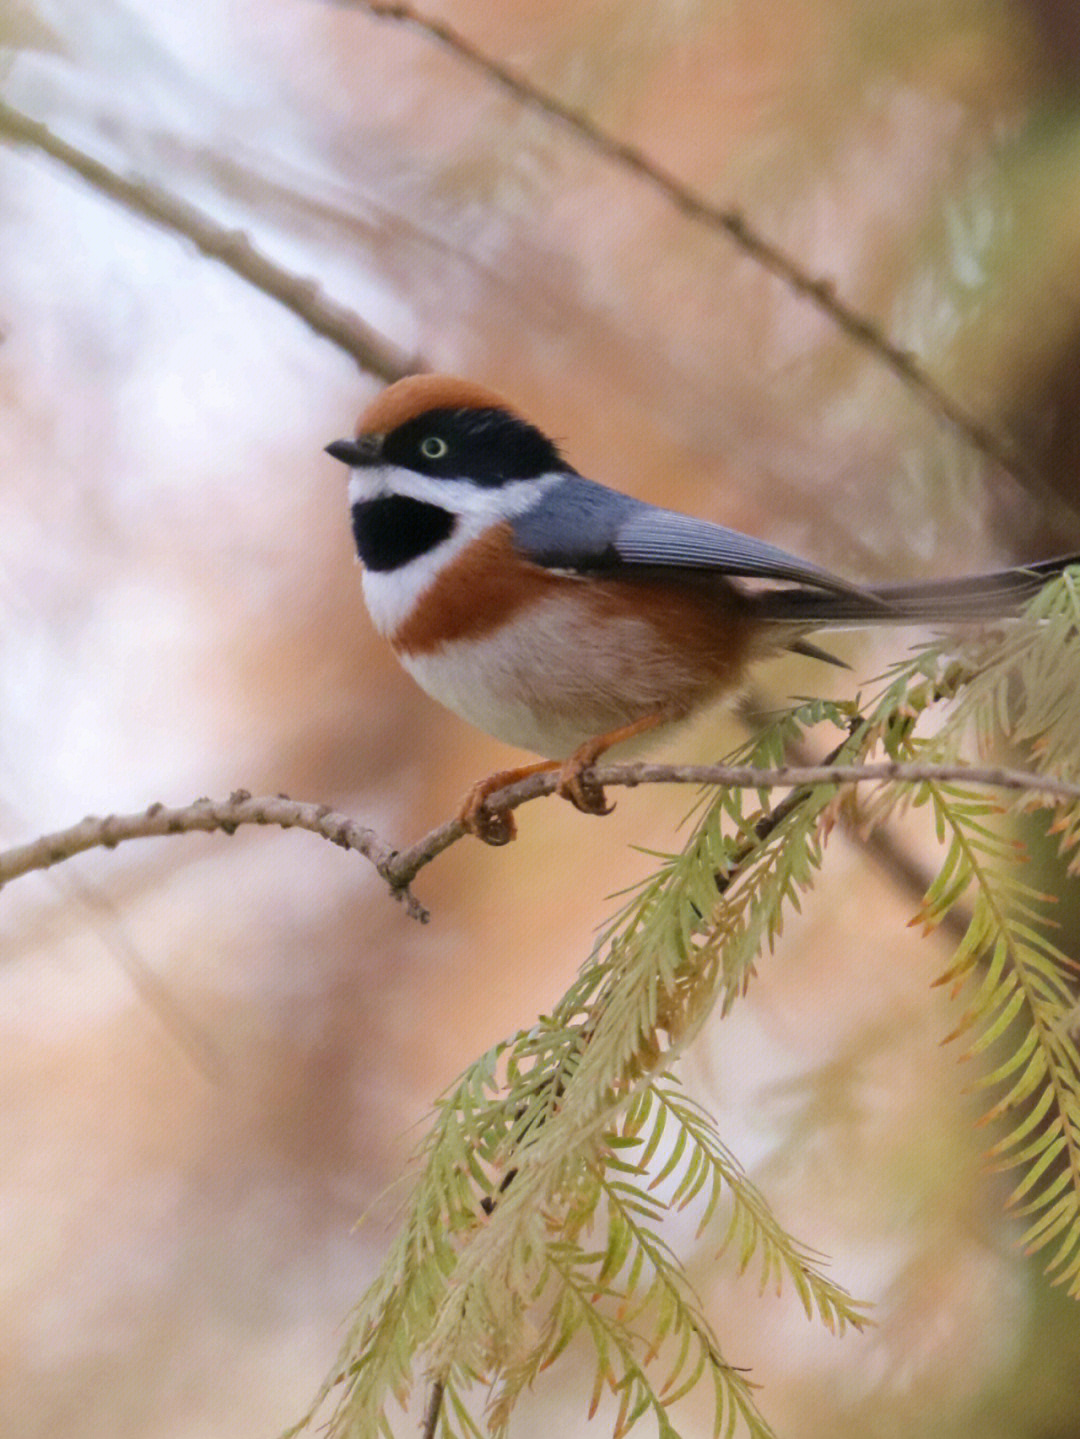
<point>580,525</point>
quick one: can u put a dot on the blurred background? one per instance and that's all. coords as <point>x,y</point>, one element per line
<point>215,1053</point>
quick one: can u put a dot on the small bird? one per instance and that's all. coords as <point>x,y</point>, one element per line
<point>565,617</point>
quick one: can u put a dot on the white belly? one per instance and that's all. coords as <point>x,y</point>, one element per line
<point>549,680</point>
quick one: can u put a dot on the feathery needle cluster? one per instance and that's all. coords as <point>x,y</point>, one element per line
<point>537,1219</point>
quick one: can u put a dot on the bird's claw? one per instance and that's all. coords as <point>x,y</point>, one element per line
<point>493,826</point>
<point>577,783</point>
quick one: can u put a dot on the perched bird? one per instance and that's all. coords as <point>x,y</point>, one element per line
<point>564,617</point>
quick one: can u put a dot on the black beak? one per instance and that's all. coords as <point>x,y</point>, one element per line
<point>362,451</point>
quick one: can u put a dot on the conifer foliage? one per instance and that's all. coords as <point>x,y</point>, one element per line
<point>537,1217</point>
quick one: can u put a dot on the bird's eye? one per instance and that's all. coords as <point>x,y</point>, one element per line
<point>434,447</point>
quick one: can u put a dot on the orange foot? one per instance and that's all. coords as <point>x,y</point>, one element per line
<point>496,826</point>
<point>577,784</point>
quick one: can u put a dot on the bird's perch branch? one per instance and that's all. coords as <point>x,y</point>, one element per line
<point>400,867</point>
<point>207,816</point>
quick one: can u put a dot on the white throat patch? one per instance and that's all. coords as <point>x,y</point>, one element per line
<point>391,595</point>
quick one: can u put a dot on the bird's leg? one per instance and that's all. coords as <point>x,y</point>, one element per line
<point>496,826</point>
<point>577,785</point>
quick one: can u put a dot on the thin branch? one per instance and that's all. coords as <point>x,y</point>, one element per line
<point>378,356</point>
<point>304,298</point>
<point>433,1410</point>
<point>818,290</point>
<point>406,865</point>
<point>207,816</point>
<point>400,867</point>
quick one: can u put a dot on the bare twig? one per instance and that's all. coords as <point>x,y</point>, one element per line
<point>208,815</point>
<point>404,866</point>
<point>379,356</point>
<point>232,248</point>
<point>433,1410</point>
<point>818,290</point>
<point>400,867</point>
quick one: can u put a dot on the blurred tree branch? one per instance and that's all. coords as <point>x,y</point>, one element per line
<point>400,867</point>
<point>231,248</point>
<point>818,290</point>
<point>380,357</point>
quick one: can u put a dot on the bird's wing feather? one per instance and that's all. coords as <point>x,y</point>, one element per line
<point>580,525</point>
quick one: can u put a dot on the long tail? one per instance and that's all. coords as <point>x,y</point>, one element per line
<point>974,597</point>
